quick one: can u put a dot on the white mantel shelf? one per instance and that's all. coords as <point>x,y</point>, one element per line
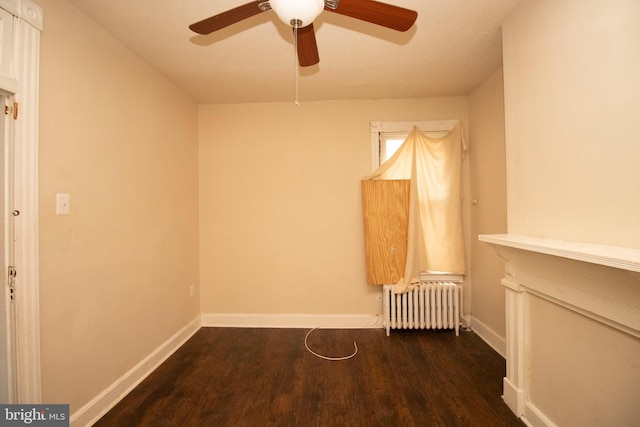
<point>610,256</point>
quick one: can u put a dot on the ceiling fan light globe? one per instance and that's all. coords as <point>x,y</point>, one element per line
<point>297,13</point>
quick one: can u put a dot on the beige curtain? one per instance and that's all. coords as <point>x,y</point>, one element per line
<point>435,242</point>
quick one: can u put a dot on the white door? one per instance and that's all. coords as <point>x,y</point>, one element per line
<point>8,384</point>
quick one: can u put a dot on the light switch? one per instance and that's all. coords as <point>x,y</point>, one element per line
<point>62,204</point>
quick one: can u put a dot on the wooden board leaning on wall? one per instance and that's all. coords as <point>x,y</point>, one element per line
<point>385,205</point>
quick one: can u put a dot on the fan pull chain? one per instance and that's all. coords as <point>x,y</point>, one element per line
<point>295,64</point>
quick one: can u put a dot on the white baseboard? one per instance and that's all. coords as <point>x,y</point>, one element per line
<point>103,402</point>
<point>346,321</point>
<point>489,336</point>
<point>534,417</point>
<point>513,397</point>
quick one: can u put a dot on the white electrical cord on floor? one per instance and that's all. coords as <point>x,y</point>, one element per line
<point>327,357</point>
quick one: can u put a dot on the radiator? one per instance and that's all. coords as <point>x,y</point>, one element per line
<point>430,305</point>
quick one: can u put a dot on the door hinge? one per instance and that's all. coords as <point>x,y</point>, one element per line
<point>12,273</point>
<point>13,109</point>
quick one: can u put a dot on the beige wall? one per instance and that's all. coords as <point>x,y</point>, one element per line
<point>281,226</point>
<point>572,97</point>
<point>489,214</point>
<point>115,273</point>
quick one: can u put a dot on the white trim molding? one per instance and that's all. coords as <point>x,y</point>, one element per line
<point>423,126</point>
<point>26,10</point>
<point>596,281</point>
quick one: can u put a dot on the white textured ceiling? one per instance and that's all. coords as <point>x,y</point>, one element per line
<point>453,47</point>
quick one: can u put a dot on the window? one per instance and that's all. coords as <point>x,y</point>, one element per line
<point>386,137</point>
<point>389,144</point>
<point>432,160</point>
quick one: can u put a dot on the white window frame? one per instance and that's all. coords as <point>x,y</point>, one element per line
<point>384,139</point>
<point>434,128</point>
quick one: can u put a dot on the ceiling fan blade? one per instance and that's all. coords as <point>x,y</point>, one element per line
<point>307,46</point>
<point>224,19</point>
<point>394,17</point>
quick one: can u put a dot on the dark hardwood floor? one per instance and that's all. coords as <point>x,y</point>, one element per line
<point>266,377</point>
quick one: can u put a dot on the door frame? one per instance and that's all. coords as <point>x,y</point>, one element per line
<point>8,309</point>
<point>22,80</point>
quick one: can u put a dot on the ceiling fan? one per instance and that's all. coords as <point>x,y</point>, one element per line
<point>299,14</point>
